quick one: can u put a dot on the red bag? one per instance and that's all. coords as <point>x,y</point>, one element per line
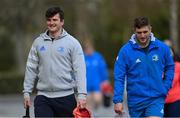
<point>106,88</point>
<point>81,113</point>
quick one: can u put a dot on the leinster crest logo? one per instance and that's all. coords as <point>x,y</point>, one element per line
<point>155,58</point>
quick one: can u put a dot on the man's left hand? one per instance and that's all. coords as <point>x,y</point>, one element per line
<point>82,103</point>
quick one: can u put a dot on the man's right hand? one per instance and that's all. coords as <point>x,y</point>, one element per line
<point>118,108</point>
<point>27,102</point>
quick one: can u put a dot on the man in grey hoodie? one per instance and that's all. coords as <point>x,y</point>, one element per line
<point>56,62</point>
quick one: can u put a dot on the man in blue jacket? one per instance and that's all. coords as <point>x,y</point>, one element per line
<point>96,74</point>
<point>148,67</point>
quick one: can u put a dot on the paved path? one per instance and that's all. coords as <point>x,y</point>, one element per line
<point>12,106</point>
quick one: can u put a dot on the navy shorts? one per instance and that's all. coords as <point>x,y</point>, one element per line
<point>172,109</point>
<point>54,107</point>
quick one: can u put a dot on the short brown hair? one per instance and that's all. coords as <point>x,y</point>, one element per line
<point>140,22</point>
<point>53,11</point>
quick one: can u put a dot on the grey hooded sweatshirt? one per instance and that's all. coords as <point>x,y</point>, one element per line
<point>56,65</point>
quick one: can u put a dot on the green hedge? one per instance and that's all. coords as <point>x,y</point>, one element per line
<point>11,85</point>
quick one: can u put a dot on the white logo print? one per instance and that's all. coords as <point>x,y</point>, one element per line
<point>117,58</point>
<point>138,60</point>
<point>162,111</point>
<point>155,57</point>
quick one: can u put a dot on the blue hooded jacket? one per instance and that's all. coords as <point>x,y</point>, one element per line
<point>96,71</point>
<point>149,74</point>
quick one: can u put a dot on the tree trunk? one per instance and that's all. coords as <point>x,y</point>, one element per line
<point>174,24</point>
